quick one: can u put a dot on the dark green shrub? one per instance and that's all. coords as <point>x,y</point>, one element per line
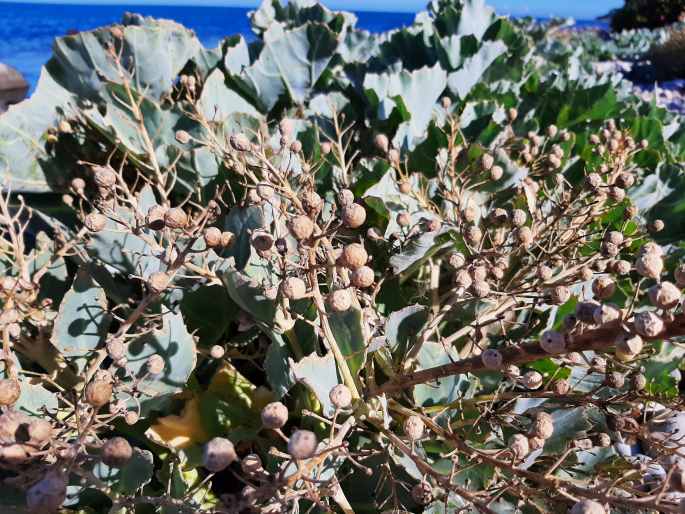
<point>647,13</point>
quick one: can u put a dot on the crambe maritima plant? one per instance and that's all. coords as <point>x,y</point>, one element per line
<point>421,271</point>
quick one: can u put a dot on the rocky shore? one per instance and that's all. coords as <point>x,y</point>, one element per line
<point>13,87</point>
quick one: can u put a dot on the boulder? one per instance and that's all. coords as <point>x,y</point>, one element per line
<point>13,87</point>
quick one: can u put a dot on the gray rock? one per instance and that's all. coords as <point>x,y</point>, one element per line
<point>13,87</point>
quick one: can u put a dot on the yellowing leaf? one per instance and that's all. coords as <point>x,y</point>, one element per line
<point>179,431</point>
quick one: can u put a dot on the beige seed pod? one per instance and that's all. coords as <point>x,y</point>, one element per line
<point>212,237</point>
<point>648,324</point>
<point>302,444</point>
<point>362,277</point>
<point>456,260</point>
<point>274,415</point>
<point>252,465</point>
<point>345,197</point>
<point>524,235</point>
<point>78,184</point>
<point>301,227</point>
<point>293,288</point>
<point>217,352</point>
<point>603,440</point>
<point>98,393</point>
<point>518,217</point>
<point>603,288</point>
<point>155,364</point>
<point>650,265</point>
<point>587,507</point>
<point>182,137</point>
<point>487,161</point>
<point>176,218</point>
<point>532,380</point>
<point>394,157</point>
<point>10,391</point>
<point>559,295</point>
<point>593,180</point>
<point>404,187</point>
<point>340,396</point>
<point>158,282</point>
<point>480,288</point>
<point>217,454</point>
<point>39,432</point>
<point>552,131</point>
<point>286,126</point>
<point>470,214</point>
<point>561,387</point>
<point>354,256</point>
<point>95,222</point>
<point>353,216</point>
<point>512,114</point>
<point>116,452</point>
<point>491,359</point>
<point>553,342</point>
<point>296,146</point>
<point>518,444</point>
<point>473,234</point>
<point>512,371</point>
<point>535,443</point>
<point>622,267</point>
<point>414,428</point>
<point>606,313</point>
<point>664,295</point>
<point>382,143</point>
<point>340,300</point>
<point>615,379</point>
<point>240,143</point>
<point>639,382</point>
<point>154,218</point>
<point>463,279</point>
<point>312,203</point>
<point>326,148</point>
<point>403,219</point>
<point>104,178</point>
<point>542,426</point>
<point>227,239</point>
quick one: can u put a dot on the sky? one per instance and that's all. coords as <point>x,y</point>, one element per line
<point>580,9</point>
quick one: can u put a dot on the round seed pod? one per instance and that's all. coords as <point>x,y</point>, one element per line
<point>422,493</point>
<point>155,364</point>
<point>650,265</point>
<point>473,234</point>
<point>252,465</point>
<point>480,288</point>
<point>116,452</point>
<point>561,387</point>
<point>512,114</point>
<point>622,267</point>
<point>340,396</point>
<point>446,102</point>
<point>296,146</point>
<point>48,494</point>
<point>487,161</point>
<point>603,440</point>
<point>293,288</point>
<point>553,342</point>
<point>381,142</point>
<point>217,352</point>
<point>603,287</point>
<point>552,131</point>
<point>606,313</point>
<point>593,180</point>
<point>512,371</point>
<point>524,235</point>
<point>10,391</point>
<point>362,277</point>
<point>98,393</point>
<point>131,417</point>
<point>609,249</point>
<point>463,279</point>
<point>261,240</point>
<point>535,443</point>
<point>652,247</point>
<point>518,444</point>
<point>154,218</point>
<point>405,187</point>
<point>182,137</point>
<point>240,143</point>
<point>353,215</point>
<point>559,295</point>
<point>470,214</point>
<point>286,126</point>
<point>491,358</point>
<point>394,157</point>
<point>39,431</point>
<point>218,453</point>
<point>212,237</point>
<point>414,428</point>
<point>456,260</point>
<point>615,379</point>
<point>544,272</point>
<point>95,222</point>
<point>345,197</point>
<point>532,380</point>
<point>403,219</point>
<point>274,415</point>
<point>227,239</point>
<point>326,148</point>
<point>301,227</point>
<point>78,184</point>
<point>664,295</point>
<point>104,178</point>
<point>158,282</point>
<point>648,324</point>
<point>542,426</point>
<point>175,218</point>
<point>312,202</point>
<point>431,225</point>
<point>518,217</point>
<point>302,444</point>
<point>587,507</point>
<point>639,382</point>
<point>354,256</point>
<point>340,300</point>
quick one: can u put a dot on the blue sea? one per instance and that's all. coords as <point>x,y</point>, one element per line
<point>28,30</point>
